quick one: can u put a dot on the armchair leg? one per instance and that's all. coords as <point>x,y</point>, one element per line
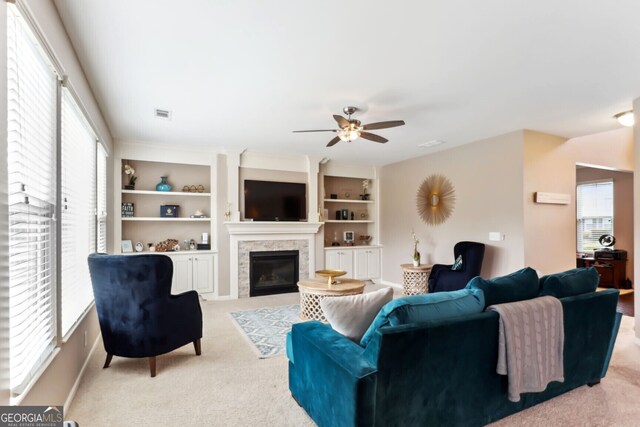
<point>196,345</point>
<point>591,384</point>
<point>152,366</point>
<point>108,361</point>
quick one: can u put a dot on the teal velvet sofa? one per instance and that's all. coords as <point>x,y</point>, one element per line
<point>438,372</point>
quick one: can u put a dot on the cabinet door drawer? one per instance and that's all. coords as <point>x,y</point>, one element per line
<point>182,274</point>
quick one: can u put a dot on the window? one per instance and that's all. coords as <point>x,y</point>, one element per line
<point>102,199</point>
<point>57,191</point>
<point>594,213</point>
<point>78,211</point>
<point>31,157</point>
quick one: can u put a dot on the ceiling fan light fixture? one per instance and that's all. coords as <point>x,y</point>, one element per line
<point>349,135</point>
<point>625,118</point>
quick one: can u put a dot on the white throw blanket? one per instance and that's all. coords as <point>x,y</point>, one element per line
<point>531,344</point>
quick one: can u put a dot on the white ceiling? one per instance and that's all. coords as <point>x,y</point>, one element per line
<point>244,74</point>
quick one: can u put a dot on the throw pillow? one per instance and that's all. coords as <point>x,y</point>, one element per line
<point>421,308</point>
<point>569,283</point>
<point>352,315</point>
<point>457,265</point>
<point>518,286</point>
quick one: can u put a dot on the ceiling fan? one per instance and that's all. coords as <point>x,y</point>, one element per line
<point>352,129</point>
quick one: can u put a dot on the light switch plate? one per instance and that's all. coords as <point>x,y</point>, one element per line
<point>496,236</point>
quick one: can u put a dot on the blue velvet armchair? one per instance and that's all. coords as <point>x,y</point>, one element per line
<point>138,315</point>
<point>444,279</point>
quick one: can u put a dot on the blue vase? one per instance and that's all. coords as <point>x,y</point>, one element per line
<point>162,185</point>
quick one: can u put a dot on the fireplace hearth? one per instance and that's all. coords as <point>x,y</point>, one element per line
<point>273,272</point>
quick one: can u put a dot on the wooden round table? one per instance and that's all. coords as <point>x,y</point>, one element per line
<point>312,291</point>
<point>415,279</point>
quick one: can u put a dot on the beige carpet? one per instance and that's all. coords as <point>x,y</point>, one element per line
<point>229,386</point>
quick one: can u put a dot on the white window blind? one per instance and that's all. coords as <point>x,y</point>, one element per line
<point>594,213</point>
<point>78,183</point>
<point>102,199</point>
<point>31,158</point>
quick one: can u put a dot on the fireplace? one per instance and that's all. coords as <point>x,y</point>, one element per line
<point>273,272</point>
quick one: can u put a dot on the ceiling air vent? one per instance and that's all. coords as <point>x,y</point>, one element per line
<point>163,114</point>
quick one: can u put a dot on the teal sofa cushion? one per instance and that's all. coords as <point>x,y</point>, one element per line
<point>517,286</point>
<point>569,283</point>
<point>421,308</point>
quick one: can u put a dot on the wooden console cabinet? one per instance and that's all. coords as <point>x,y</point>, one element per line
<point>612,271</point>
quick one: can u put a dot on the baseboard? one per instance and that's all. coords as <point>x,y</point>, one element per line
<point>393,285</point>
<point>222,298</point>
<point>74,389</point>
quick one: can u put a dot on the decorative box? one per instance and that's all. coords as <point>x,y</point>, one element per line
<point>169,211</point>
<point>127,210</point>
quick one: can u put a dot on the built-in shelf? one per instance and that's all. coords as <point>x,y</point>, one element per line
<point>165,193</point>
<point>352,221</point>
<point>142,218</point>
<point>348,201</point>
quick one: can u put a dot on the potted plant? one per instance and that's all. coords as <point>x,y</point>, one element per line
<point>416,254</point>
<point>129,171</point>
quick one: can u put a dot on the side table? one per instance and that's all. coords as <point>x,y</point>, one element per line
<point>415,279</point>
<point>312,291</point>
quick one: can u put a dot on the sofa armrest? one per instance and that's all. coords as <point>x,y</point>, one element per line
<point>590,328</point>
<point>338,350</point>
<point>330,378</point>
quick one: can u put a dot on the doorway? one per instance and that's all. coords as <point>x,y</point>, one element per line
<point>604,206</point>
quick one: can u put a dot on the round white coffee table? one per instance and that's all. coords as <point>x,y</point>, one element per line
<point>312,291</point>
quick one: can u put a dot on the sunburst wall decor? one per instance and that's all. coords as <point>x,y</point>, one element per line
<point>436,199</point>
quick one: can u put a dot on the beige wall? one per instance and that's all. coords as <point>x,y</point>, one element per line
<point>495,181</point>
<point>622,206</point>
<point>548,245</point>
<point>487,176</point>
<point>59,378</point>
<point>549,166</point>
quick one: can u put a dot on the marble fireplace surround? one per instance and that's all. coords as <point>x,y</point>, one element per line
<point>248,236</point>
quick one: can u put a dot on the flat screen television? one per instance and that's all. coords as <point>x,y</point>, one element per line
<point>275,201</point>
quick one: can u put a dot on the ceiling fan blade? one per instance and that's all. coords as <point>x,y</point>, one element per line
<point>333,141</point>
<point>383,125</point>
<point>316,130</point>
<point>372,137</point>
<point>342,122</point>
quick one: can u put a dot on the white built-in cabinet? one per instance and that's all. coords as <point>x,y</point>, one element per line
<point>193,271</point>
<point>359,262</point>
<point>193,177</point>
<point>340,260</point>
<point>366,263</point>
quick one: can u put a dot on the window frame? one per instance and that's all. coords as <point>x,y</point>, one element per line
<point>27,22</point>
<point>579,218</point>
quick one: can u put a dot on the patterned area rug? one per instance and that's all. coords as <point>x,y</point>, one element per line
<point>266,328</point>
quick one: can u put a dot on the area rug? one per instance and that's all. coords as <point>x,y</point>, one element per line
<point>266,328</point>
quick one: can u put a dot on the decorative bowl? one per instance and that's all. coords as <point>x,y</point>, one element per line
<point>330,274</point>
